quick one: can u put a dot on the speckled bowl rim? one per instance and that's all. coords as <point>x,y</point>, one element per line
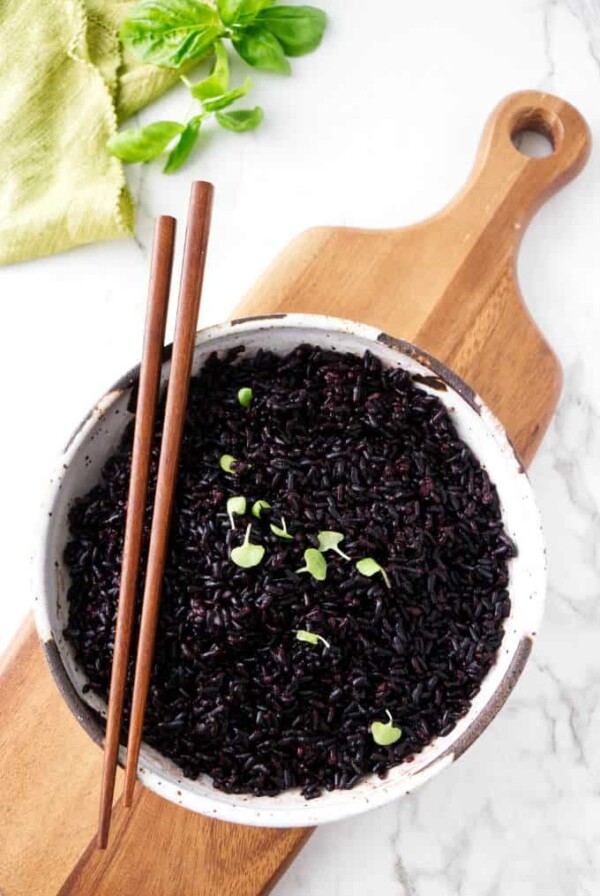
<point>246,809</point>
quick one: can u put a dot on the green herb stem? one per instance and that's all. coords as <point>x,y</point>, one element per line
<point>178,33</point>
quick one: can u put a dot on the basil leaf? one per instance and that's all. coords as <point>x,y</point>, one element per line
<point>239,10</point>
<point>248,9</point>
<point>143,144</point>
<point>187,140</point>
<point>298,29</point>
<point>218,81</point>
<point>170,32</point>
<point>221,102</point>
<point>261,49</point>
<point>228,10</point>
<point>240,120</point>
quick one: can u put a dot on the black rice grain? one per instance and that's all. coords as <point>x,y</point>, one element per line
<point>333,442</point>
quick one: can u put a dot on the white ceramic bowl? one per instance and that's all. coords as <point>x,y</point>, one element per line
<point>99,435</point>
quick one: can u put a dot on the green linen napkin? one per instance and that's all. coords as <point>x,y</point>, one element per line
<point>64,85</point>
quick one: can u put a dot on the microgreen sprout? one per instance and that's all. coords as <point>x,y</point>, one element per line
<point>315,564</point>
<point>259,506</point>
<point>235,505</point>
<point>281,532</point>
<point>330,541</point>
<point>369,567</point>
<point>247,554</point>
<point>244,396</point>
<point>226,462</point>
<point>310,637</point>
<point>384,733</point>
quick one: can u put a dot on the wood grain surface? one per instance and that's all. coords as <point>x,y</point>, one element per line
<point>449,285</point>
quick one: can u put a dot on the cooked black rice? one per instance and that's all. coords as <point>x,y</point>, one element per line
<point>333,442</point>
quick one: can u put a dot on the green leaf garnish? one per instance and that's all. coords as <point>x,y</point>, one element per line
<point>221,102</point>
<point>315,564</point>
<point>247,554</point>
<point>182,149</point>
<point>176,34</point>
<point>236,505</point>
<point>244,396</point>
<point>298,29</point>
<point>330,541</point>
<point>240,11</point>
<point>228,10</point>
<point>259,506</point>
<point>143,144</point>
<point>226,462</point>
<point>217,82</point>
<point>384,733</point>
<point>261,49</point>
<point>310,637</point>
<point>240,120</point>
<point>248,9</point>
<point>283,532</point>
<point>369,567</point>
<point>171,32</point>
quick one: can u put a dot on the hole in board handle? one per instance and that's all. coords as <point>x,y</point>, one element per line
<point>532,144</point>
<point>534,134</point>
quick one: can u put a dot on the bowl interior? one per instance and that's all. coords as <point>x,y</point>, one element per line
<point>99,435</point>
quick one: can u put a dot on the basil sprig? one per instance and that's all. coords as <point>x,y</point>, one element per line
<point>178,33</point>
<point>171,33</point>
<point>298,29</point>
<point>143,144</point>
<point>240,120</point>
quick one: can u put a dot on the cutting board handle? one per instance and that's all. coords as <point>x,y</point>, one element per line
<point>449,283</point>
<point>509,185</point>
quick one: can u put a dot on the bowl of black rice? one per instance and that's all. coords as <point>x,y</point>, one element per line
<point>355,577</point>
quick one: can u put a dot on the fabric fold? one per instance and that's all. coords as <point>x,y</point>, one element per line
<point>64,85</point>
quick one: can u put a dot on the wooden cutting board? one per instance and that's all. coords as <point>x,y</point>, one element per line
<point>447,284</point>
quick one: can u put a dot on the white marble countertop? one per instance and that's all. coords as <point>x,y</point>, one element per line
<point>379,128</point>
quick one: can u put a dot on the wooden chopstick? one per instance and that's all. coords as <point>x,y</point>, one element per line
<point>190,290</point>
<point>154,337</point>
